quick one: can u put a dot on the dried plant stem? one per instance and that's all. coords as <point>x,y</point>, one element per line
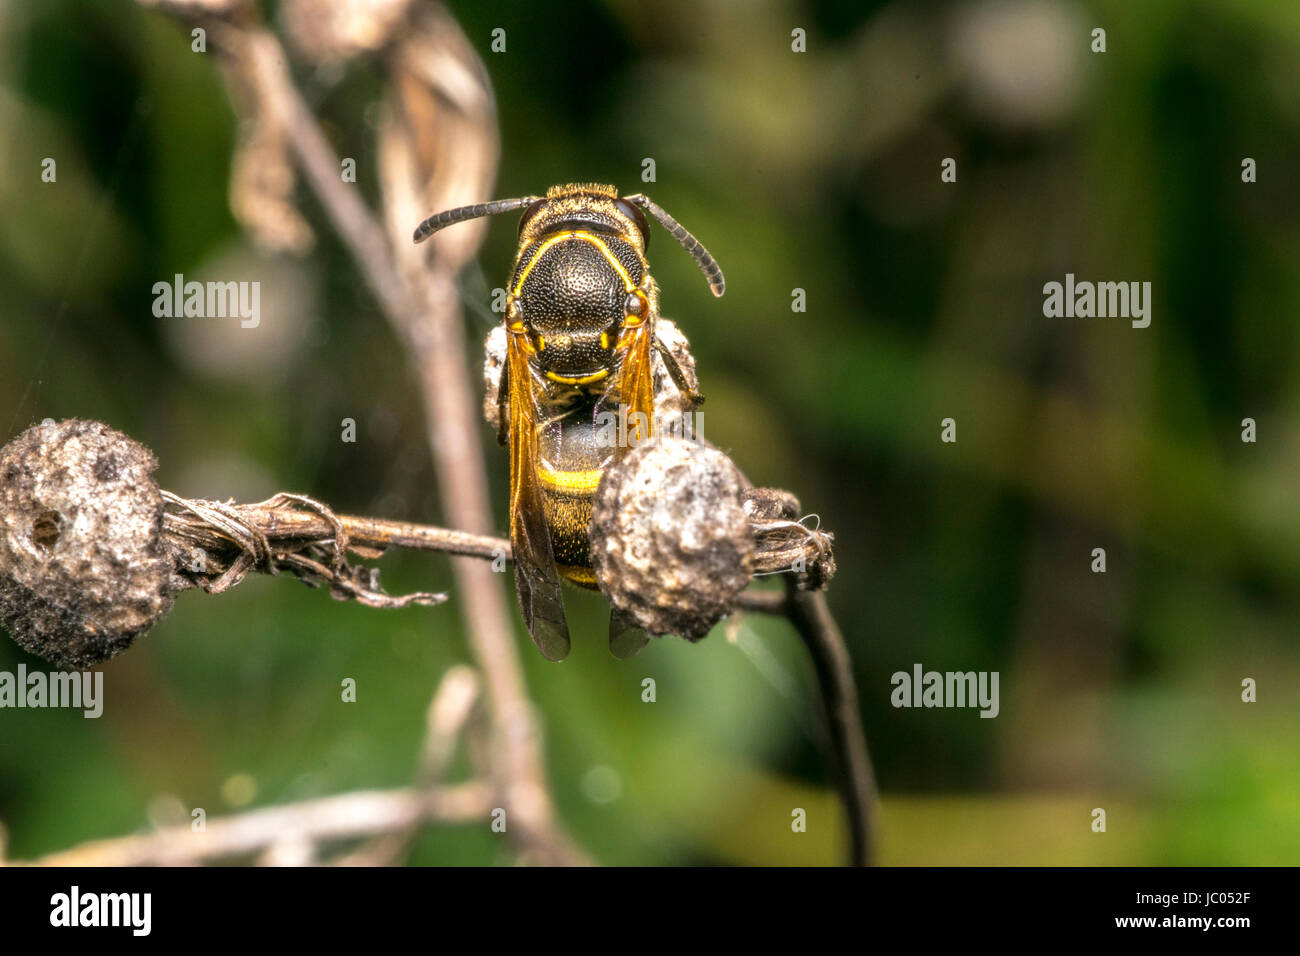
<point>285,525</point>
<point>380,533</point>
<point>356,226</point>
<point>350,815</point>
<point>811,617</point>
<point>289,522</point>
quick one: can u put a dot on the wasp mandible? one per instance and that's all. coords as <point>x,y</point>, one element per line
<point>580,322</point>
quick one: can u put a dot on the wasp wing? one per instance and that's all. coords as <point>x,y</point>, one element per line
<point>635,394</point>
<point>626,638</point>
<point>635,390</point>
<point>537,582</point>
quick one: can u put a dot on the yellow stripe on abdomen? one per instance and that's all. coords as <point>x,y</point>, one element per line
<point>567,498</point>
<point>578,575</point>
<point>582,483</point>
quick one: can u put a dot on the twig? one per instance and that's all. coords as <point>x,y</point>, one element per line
<point>350,815</point>
<point>234,540</point>
<point>290,527</point>
<point>285,523</point>
<point>811,617</point>
<point>762,602</point>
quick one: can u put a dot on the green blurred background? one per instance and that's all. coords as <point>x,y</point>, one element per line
<point>924,300</point>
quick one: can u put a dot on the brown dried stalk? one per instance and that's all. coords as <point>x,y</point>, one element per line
<point>271,535</point>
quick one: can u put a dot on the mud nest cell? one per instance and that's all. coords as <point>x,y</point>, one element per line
<point>670,539</point>
<point>83,568</point>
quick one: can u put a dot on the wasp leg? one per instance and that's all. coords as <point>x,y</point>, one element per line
<point>677,375</point>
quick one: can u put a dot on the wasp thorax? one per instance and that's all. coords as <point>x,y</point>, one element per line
<point>573,295</point>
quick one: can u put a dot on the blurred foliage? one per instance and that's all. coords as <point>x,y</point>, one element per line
<point>818,171</point>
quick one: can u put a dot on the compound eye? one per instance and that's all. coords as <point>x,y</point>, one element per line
<point>634,213</point>
<point>529,213</point>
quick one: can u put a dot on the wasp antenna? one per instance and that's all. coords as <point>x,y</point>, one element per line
<point>708,265</point>
<point>477,211</point>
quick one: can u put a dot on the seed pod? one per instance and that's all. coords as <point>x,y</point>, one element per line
<point>670,539</point>
<point>83,566</point>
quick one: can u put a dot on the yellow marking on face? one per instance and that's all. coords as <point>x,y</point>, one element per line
<point>579,379</point>
<point>570,482</point>
<point>595,240</point>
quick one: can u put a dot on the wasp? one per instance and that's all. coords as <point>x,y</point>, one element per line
<point>580,315</point>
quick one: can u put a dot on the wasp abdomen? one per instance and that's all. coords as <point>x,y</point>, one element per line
<point>571,460</point>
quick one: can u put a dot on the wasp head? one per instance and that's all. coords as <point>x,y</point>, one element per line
<point>580,278</point>
<point>581,275</point>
